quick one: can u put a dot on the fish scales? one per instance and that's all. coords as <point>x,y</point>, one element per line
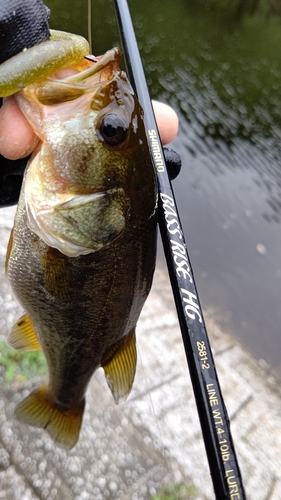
<point>82,252</point>
<point>81,314</point>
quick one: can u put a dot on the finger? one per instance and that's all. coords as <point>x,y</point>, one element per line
<point>17,138</point>
<point>167,121</point>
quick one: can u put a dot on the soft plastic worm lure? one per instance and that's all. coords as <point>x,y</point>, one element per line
<point>38,62</point>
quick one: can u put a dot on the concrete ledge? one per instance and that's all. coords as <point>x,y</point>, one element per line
<point>127,452</point>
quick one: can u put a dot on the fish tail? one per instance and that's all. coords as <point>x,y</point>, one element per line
<point>39,410</point>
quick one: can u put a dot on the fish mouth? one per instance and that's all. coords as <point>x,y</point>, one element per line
<point>80,224</point>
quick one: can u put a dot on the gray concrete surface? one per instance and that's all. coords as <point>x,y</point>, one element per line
<point>129,451</point>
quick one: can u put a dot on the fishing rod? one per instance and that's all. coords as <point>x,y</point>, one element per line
<point>223,463</point>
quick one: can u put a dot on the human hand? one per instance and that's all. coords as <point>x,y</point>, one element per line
<point>18,140</point>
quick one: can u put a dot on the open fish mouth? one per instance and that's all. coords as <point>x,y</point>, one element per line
<point>80,224</point>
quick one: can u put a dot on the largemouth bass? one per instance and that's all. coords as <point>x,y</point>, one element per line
<point>81,255</point>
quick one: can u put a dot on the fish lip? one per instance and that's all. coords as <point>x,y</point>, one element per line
<point>110,56</point>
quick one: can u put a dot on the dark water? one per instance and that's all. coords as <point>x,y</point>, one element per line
<point>220,68</point>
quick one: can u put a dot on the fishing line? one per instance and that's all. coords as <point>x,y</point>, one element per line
<point>148,392</point>
<point>90,24</point>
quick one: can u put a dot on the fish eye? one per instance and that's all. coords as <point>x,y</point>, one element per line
<point>113,129</point>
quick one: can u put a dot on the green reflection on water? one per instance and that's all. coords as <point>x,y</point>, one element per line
<point>218,62</point>
<point>72,15</point>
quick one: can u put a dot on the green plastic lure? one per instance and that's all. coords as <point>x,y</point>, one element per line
<point>34,64</point>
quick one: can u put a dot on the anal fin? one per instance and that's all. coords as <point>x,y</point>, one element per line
<point>121,367</point>
<point>39,410</point>
<point>23,336</point>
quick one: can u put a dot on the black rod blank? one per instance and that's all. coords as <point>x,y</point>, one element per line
<point>224,467</point>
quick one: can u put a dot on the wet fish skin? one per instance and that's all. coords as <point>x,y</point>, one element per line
<point>84,309</point>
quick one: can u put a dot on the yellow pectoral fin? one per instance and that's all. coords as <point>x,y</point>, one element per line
<point>120,370</point>
<point>39,410</point>
<point>23,336</point>
<point>9,248</point>
<point>56,272</point>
